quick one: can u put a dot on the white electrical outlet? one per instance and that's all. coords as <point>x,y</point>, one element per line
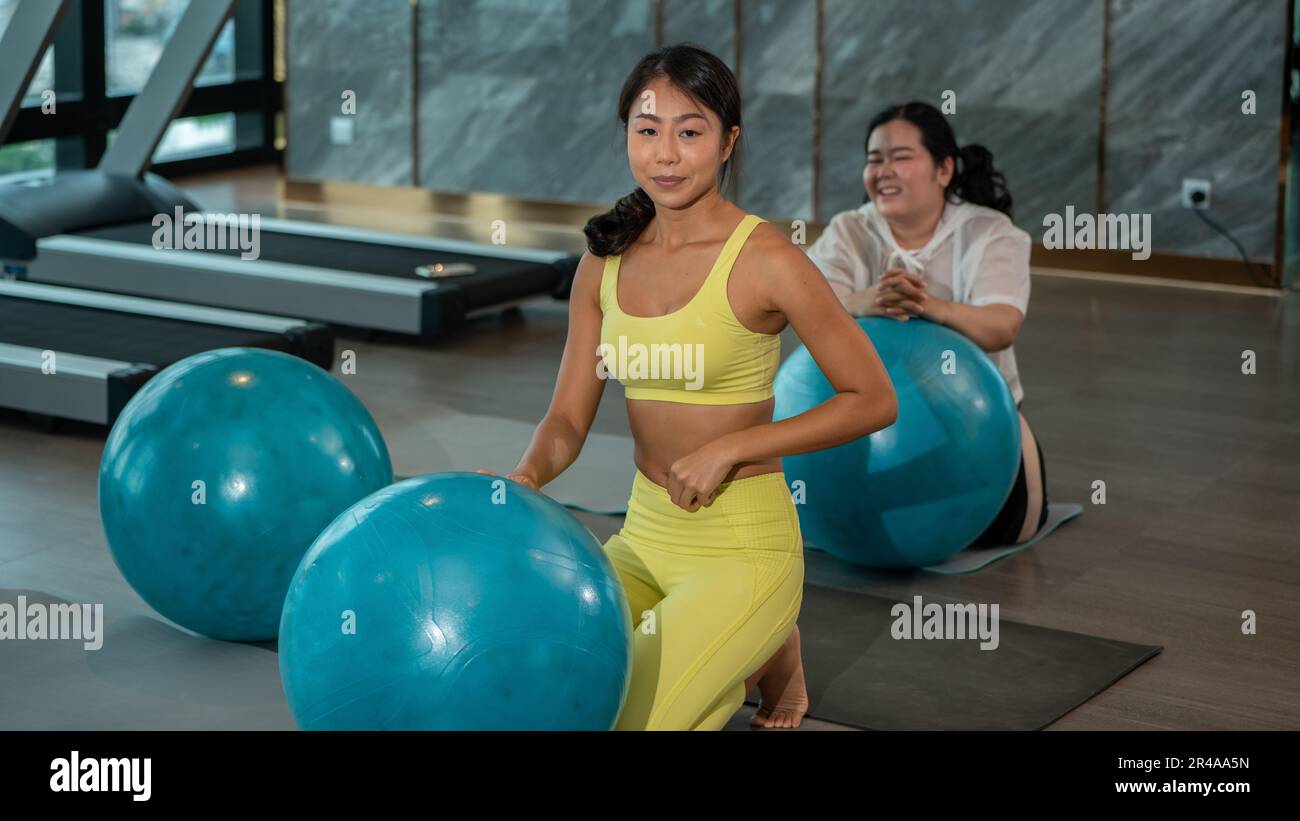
<point>1192,187</point>
<point>342,131</point>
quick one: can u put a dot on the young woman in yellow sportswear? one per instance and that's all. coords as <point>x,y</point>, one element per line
<point>681,297</point>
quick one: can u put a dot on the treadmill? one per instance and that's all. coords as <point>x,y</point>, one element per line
<point>74,354</point>
<point>81,355</point>
<point>345,276</point>
<point>95,229</point>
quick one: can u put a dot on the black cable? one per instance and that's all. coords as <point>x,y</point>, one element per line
<point>1250,269</point>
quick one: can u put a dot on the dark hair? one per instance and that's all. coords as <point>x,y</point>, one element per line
<point>703,77</point>
<point>974,178</point>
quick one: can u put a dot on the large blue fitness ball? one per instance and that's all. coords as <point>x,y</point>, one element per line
<point>220,473</point>
<point>456,601</point>
<point>928,485</point>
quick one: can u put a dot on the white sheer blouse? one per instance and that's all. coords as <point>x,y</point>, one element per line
<point>977,256</point>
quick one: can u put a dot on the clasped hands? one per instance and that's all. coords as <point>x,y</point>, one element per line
<point>898,294</point>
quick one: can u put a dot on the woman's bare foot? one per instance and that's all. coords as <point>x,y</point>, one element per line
<point>781,684</point>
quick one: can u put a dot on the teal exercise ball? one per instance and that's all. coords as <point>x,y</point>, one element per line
<point>220,473</point>
<point>456,601</point>
<point>924,488</point>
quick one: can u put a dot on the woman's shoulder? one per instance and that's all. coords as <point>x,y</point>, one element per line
<point>768,240</point>
<point>990,220</point>
<point>590,275</point>
<point>771,250</point>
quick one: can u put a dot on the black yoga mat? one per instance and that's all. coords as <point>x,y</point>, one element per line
<point>858,675</point>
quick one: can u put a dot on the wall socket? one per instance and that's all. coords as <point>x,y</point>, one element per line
<point>1192,187</point>
<point>343,130</point>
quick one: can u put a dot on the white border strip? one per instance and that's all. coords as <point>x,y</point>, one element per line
<point>149,307</point>
<point>67,364</point>
<point>1130,279</point>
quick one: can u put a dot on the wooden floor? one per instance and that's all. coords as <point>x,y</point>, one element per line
<point>1136,386</point>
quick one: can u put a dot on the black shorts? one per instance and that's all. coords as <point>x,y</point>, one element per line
<point>1010,525</point>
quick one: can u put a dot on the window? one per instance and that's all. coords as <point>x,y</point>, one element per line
<point>189,137</point>
<point>20,161</point>
<point>206,135</point>
<point>103,54</point>
<point>135,33</point>
<point>197,136</point>
<point>44,77</point>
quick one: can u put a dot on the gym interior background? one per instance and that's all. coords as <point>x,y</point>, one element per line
<point>415,130</point>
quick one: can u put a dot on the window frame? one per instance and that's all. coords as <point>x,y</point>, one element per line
<point>86,114</point>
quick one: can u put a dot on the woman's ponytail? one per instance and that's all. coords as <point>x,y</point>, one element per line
<point>613,231</point>
<point>978,181</point>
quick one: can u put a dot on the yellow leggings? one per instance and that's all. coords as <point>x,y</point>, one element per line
<point>713,595</point>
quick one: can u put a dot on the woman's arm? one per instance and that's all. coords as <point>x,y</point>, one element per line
<point>864,400</point>
<point>992,327</point>
<point>998,299</point>
<point>559,437</point>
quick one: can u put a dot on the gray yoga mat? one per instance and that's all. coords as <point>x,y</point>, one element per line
<point>859,675</point>
<point>977,558</point>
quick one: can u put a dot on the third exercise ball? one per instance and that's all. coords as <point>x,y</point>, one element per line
<point>220,473</point>
<point>928,485</point>
<point>456,601</point>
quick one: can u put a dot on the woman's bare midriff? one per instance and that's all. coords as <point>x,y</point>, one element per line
<point>664,432</point>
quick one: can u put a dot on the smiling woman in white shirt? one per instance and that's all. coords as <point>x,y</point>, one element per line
<point>935,240</point>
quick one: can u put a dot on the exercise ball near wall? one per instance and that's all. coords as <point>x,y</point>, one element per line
<point>924,488</point>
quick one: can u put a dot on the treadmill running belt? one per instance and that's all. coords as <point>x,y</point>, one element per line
<point>128,337</point>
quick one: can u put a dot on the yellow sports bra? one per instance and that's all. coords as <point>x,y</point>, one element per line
<point>699,354</point>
